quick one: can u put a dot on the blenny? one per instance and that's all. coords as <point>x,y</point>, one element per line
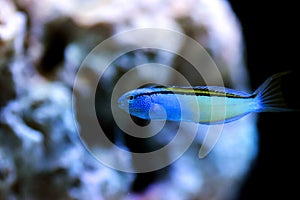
<point>201,104</point>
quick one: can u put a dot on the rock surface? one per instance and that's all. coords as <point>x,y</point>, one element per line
<point>42,46</point>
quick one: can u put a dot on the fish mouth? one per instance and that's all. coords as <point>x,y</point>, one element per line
<point>122,103</point>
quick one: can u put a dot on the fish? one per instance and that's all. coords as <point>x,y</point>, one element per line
<point>201,104</point>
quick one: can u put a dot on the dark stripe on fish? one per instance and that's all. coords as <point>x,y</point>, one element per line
<point>191,91</point>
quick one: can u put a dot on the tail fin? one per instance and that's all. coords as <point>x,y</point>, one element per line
<point>269,95</point>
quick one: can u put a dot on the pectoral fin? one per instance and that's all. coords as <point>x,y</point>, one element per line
<point>140,121</point>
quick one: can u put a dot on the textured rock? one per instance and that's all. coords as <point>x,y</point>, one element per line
<point>37,131</point>
<point>41,156</point>
<point>12,33</point>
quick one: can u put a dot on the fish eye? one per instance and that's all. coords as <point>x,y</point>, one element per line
<point>130,97</point>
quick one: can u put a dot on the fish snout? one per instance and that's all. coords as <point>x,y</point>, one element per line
<point>123,104</point>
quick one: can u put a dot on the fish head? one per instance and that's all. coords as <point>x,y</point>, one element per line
<point>136,102</point>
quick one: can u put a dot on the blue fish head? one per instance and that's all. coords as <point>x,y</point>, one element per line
<point>136,103</point>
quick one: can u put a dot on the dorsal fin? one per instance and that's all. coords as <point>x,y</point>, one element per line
<point>226,90</point>
<point>151,85</point>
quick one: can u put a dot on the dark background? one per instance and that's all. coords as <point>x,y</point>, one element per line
<point>272,46</point>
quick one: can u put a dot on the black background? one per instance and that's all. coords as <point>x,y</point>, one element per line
<point>270,32</point>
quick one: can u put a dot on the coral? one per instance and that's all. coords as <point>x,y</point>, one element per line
<point>42,46</point>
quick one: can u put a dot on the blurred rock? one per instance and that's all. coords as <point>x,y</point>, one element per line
<point>7,174</point>
<point>38,131</point>
<point>7,86</point>
<point>12,33</point>
<point>42,48</point>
